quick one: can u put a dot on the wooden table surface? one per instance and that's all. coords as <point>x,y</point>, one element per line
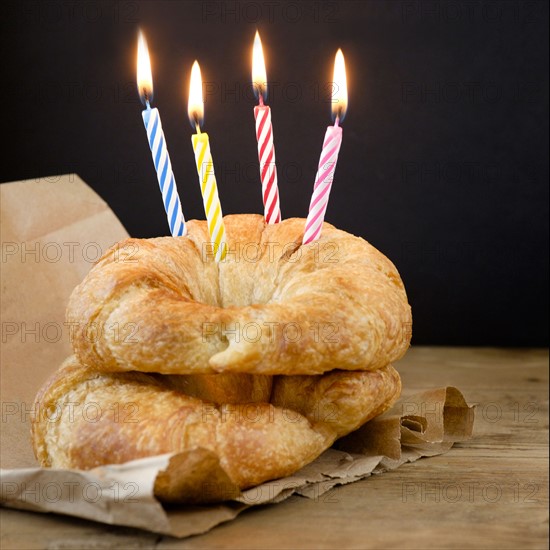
<point>489,492</point>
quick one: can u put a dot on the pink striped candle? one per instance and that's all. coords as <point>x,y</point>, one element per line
<point>323,183</point>
<point>329,155</point>
<point>264,136</point>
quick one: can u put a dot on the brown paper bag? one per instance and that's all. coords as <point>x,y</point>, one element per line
<point>52,230</point>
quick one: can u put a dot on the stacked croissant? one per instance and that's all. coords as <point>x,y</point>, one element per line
<point>257,363</point>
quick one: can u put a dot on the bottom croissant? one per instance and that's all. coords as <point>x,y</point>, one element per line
<point>84,418</point>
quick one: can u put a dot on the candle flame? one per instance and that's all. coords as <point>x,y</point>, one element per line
<point>259,77</point>
<point>339,87</point>
<point>144,76</point>
<point>195,105</point>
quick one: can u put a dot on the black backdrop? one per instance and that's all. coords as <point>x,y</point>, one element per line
<point>444,161</point>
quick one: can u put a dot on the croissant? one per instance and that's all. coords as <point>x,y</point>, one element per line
<point>273,306</point>
<point>248,368</point>
<point>84,418</point>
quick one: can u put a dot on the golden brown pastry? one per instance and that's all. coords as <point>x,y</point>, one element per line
<point>274,306</point>
<point>84,418</point>
<point>248,369</point>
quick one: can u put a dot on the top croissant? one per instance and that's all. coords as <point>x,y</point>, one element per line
<point>273,306</point>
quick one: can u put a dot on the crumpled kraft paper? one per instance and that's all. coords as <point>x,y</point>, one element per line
<point>51,231</point>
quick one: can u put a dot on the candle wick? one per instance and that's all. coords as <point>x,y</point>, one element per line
<point>197,126</point>
<point>337,122</point>
<point>261,98</point>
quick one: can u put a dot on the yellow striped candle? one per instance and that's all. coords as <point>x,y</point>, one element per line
<point>205,167</point>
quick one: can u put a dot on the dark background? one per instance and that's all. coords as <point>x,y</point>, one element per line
<point>444,162</point>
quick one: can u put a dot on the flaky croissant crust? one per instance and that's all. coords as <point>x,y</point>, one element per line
<point>273,306</point>
<point>83,418</point>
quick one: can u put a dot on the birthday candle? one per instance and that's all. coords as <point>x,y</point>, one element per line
<point>264,136</point>
<point>329,155</point>
<point>205,167</point>
<point>157,143</point>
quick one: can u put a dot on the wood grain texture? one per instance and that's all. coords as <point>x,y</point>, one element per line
<point>490,492</point>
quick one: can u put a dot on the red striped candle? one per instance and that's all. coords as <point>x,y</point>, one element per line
<point>329,155</point>
<point>264,136</point>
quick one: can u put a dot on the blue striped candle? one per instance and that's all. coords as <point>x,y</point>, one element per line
<point>163,166</point>
<point>157,143</point>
